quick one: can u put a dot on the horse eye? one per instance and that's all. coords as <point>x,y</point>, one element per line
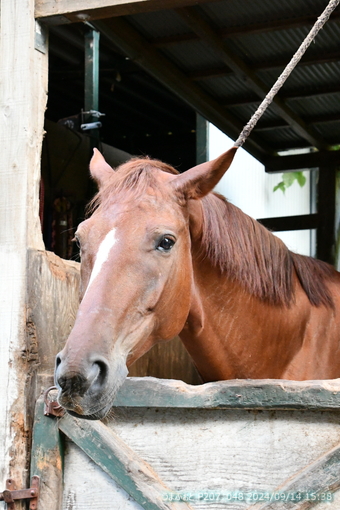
<point>166,244</point>
<point>76,240</point>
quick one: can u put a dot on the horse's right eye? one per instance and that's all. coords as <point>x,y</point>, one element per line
<point>76,240</point>
<point>166,244</point>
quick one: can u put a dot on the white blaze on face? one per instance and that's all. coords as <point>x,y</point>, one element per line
<point>102,255</point>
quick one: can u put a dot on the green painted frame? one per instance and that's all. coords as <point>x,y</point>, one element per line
<point>268,394</point>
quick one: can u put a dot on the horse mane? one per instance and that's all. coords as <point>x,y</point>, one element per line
<point>252,255</point>
<point>233,241</point>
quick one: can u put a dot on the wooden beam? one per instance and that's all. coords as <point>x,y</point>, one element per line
<point>314,92</point>
<point>279,124</point>
<point>120,462</point>
<point>239,31</point>
<point>308,60</point>
<point>134,46</point>
<point>203,30</point>
<point>234,394</point>
<point>23,78</point>
<point>291,95</point>
<point>310,160</point>
<point>285,223</point>
<point>209,73</point>
<point>272,124</point>
<point>59,12</point>
<point>325,237</point>
<point>277,63</point>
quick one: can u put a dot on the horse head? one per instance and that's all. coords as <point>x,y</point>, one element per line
<point>136,274</point>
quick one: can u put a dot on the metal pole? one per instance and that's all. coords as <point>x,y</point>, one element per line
<point>202,139</point>
<point>91,99</point>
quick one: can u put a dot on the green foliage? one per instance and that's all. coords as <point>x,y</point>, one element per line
<point>288,179</point>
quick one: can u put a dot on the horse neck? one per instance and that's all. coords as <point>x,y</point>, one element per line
<point>228,329</point>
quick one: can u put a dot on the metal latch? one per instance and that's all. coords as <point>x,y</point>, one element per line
<point>94,114</point>
<point>11,494</point>
<point>51,407</point>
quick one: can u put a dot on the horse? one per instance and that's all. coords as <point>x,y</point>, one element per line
<point>163,255</point>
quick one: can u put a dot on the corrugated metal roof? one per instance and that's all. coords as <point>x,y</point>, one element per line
<point>265,52</point>
<point>247,12</point>
<point>228,51</point>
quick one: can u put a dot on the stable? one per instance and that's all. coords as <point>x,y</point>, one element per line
<point>218,59</point>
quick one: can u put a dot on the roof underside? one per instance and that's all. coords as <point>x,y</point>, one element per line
<point>218,58</point>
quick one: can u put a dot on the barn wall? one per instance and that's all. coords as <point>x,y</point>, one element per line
<point>23,78</point>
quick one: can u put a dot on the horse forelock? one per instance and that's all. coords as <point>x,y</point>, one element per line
<point>132,179</point>
<point>260,261</point>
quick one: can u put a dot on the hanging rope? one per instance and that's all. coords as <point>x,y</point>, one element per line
<point>284,75</point>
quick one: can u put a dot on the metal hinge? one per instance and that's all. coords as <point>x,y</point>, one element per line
<point>11,494</point>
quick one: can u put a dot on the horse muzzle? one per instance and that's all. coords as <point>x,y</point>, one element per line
<point>86,390</point>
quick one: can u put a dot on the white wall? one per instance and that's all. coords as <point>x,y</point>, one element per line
<point>248,186</point>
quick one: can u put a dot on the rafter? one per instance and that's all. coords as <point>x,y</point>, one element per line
<point>279,124</point>
<point>239,31</point>
<point>309,60</point>
<point>59,12</point>
<point>135,47</point>
<point>203,30</point>
<point>277,63</point>
<point>291,95</point>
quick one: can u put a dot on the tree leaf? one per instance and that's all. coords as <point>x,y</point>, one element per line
<point>280,186</point>
<point>301,179</point>
<point>288,178</point>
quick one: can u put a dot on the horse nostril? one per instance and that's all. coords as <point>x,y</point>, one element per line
<point>102,370</point>
<point>57,361</point>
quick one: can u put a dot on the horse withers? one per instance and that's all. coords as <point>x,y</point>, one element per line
<point>161,255</point>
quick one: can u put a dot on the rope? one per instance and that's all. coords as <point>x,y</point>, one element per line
<point>284,75</point>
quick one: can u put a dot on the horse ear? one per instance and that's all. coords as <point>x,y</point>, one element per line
<point>201,179</point>
<point>99,169</point>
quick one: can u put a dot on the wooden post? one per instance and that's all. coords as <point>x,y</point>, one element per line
<point>325,237</point>
<point>337,220</point>
<point>23,78</point>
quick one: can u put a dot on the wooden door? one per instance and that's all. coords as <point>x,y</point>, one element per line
<point>232,444</point>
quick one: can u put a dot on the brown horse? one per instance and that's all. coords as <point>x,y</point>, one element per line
<point>162,256</point>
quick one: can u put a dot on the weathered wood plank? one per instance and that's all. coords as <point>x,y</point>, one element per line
<point>87,486</point>
<point>23,78</point>
<point>227,451</point>
<point>46,458</point>
<point>119,461</point>
<point>235,394</point>
<point>52,304</point>
<point>66,11</point>
<point>320,477</point>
